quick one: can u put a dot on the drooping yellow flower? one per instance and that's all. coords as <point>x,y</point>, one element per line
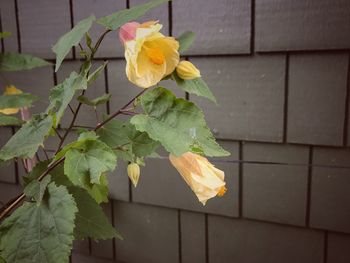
<point>186,70</point>
<point>205,180</point>
<point>149,55</point>
<point>134,173</point>
<point>11,90</point>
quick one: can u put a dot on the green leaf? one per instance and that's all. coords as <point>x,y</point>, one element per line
<point>17,100</point>
<point>195,86</point>
<point>177,124</point>
<point>185,40</point>
<point>36,189</point>
<point>91,220</point>
<point>94,75</point>
<point>62,94</point>
<point>38,169</point>
<point>71,39</point>
<point>40,232</point>
<point>116,20</point>
<point>94,102</point>
<point>5,34</point>
<point>6,120</point>
<point>92,158</point>
<point>26,141</point>
<point>17,62</point>
<point>98,191</point>
<point>126,140</point>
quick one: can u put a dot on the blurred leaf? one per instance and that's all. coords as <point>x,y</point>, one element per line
<point>93,157</point>
<point>94,75</point>
<point>91,220</point>
<point>185,40</point>
<point>195,86</point>
<point>62,94</point>
<point>27,139</point>
<point>36,189</point>
<point>17,100</point>
<point>40,232</point>
<point>5,34</point>
<point>176,123</point>
<point>71,39</point>
<point>116,20</point>
<point>17,62</point>
<point>126,141</point>
<point>6,120</point>
<point>97,101</point>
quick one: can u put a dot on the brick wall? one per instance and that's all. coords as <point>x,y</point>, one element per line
<point>280,71</point>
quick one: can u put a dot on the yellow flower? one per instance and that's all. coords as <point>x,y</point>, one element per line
<point>205,180</point>
<point>186,70</point>
<point>149,55</point>
<point>134,173</point>
<point>11,90</point>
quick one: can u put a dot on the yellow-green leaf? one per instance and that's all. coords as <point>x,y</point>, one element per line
<point>71,39</point>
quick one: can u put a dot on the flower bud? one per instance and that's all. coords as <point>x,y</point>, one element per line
<point>186,70</point>
<point>134,173</point>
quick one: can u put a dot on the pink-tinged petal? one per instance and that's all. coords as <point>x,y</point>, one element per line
<point>30,163</point>
<point>128,31</point>
<point>25,114</point>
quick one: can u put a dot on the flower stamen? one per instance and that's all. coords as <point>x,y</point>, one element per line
<point>222,191</point>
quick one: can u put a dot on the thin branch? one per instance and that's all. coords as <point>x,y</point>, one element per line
<point>45,153</point>
<point>112,116</point>
<point>58,134</point>
<point>71,109</point>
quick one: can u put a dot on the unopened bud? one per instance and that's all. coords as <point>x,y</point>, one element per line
<point>186,70</point>
<point>134,173</point>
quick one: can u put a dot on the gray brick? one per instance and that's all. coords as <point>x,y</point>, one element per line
<point>86,116</point>
<point>80,258</point>
<point>316,103</point>
<point>104,248</point>
<point>119,86</point>
<point>8,22</point>
<point>301,25</point>
<point>152,230</point>
<point>81,246</point>
<point>250,93</point>
<point>192,237</point>
<point>8,192</point>
<point>160,13</point>
<point>331,156</point>
<point>42,23</point>
<point>8,171</point>
<point>230,146</point>
<point>267,193</point>
<point>172,191</point>
<point>223,28</point>
<point>338,248</point>
<point>36,81</point>
<point>119,182</point>
<point>111,46</point>
<point>253,242</point>
<point>329,196</point>
<point>262,152</point>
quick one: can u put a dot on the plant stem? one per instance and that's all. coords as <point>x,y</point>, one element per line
<point>119,111</point>
<point>75,113</point>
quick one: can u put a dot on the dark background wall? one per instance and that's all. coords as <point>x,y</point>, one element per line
<point>280,71</point>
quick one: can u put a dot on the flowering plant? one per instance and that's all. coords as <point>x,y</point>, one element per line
<point>61,195</point>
